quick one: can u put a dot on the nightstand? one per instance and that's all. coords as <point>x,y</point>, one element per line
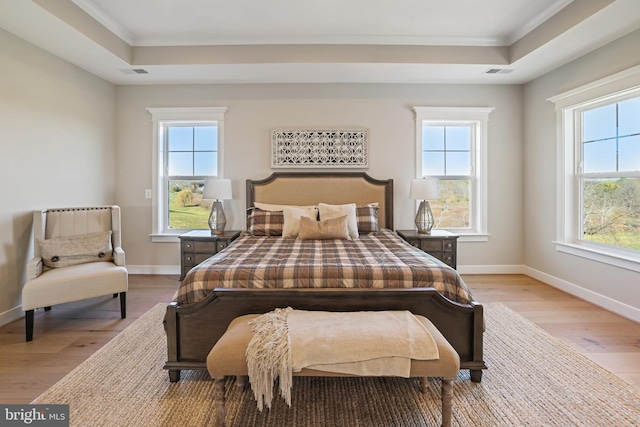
<point>440,244</point>
<point>198,245</point>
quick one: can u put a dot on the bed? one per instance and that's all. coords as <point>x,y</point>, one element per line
<point>375,271</point>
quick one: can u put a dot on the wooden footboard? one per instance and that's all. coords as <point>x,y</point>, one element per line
<point>193,329</point>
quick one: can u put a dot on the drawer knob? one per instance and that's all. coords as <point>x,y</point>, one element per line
<point>188,258</point>
<point>189,245</point>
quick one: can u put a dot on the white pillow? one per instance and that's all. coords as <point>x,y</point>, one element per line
<point>291,226</point>
<point>275,208</point>
<point>336,211</point>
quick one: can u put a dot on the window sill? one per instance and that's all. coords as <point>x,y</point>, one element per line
<point>610,257</point>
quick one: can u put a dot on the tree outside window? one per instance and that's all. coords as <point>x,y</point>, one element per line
<point>609,170</point>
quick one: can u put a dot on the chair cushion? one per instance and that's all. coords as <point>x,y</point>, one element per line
<point>78,249</point>
<point>74,283</point>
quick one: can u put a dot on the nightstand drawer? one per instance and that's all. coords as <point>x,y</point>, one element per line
<point>195,259</point>
<point>199,245</point>
<point>446,245</point>
<point>440,244</point>
<point>449,259</point>
<point>415,243</point>
<point>431,245</point>
<point>206,247</point>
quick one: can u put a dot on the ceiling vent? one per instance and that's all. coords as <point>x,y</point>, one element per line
<point>498,71</point>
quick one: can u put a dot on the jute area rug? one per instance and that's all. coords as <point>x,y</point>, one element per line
<point>533,380</point>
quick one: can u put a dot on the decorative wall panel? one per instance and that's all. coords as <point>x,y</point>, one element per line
<point>327,148</point>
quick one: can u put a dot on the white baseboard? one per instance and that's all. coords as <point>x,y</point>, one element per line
<point>605,302</point>
<point>490,269</point>
<point>153,269</point>
<point>11,315</point>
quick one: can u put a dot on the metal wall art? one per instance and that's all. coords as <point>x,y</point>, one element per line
<point>326,148</point>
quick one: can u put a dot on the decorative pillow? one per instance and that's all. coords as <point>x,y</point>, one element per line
<point>264,223</point>
<point>274,208</point>
<point>292,217</point>
<point>79,249</point>
<point>367,218</point>
<point>335,228</point>
<point>335,211</point>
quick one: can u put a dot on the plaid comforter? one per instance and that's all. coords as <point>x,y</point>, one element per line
<point>380,260</point>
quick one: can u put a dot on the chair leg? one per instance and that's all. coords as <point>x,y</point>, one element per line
<point>28,317</point>
<point>123,305</point>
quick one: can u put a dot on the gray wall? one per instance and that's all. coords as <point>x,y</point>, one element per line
<point>69,138</point>
<point>606,285</point>
<point>384,109</point>
<point>56,149</point>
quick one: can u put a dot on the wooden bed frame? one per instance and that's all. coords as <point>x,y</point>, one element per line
<point>193,329</point>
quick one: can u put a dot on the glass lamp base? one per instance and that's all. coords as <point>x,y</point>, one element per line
<point>217,220</point>
<point>424,218</point>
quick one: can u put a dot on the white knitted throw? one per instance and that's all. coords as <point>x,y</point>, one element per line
<point>269,356</point>
<point>356,343</point>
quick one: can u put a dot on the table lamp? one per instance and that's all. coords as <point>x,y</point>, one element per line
<point>217,189</point>
<point>424,189</point>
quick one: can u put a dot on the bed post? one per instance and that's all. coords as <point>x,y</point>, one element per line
<point>478,343</point>
<point>171,329</point>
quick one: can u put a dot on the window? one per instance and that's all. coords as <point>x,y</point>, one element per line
<point>187,147</point>
<point>608,171</point>
<point>451,145</point>
<point>599,170</point>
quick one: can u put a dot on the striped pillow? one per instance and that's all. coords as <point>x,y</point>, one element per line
<point>367,219</point>
<point>264,223</point>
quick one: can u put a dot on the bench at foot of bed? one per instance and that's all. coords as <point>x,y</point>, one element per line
<point>227,358</point>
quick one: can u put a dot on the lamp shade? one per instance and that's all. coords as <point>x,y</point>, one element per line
<point>424,189</point>
<point>216,188</point>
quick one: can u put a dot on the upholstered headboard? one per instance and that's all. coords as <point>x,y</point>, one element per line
<point>311,188</point>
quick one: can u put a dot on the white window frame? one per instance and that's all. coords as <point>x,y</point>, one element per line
<point>568,104</point>
<point>478,117</point>
<point>161,117</point>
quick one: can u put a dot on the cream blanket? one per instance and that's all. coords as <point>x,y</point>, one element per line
<point>366,343</point>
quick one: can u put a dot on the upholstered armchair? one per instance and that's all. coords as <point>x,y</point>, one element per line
<point>77,255</point>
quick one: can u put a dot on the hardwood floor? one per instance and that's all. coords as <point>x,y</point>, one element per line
<point>68,334</point>
<point>610,340</point>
